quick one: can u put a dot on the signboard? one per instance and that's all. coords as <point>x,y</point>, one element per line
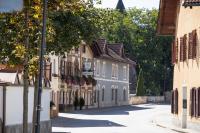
<point>87,67</point>
<point>11,5</point>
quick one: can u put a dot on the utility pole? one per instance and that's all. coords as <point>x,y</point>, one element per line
<point>41,67</point>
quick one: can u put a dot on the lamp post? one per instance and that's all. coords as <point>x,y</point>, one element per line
<point>41,67</point>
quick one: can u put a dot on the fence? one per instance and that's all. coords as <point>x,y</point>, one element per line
<point>146,99</point>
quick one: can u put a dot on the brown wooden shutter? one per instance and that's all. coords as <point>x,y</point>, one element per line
<point>176,49</point>
<point>181,49</point>
<point>191,108</point>
<point>194,42</point>
<point>172,103</point>
<point>198,102</point>
<point>197,98</point>
<point>184,47</point>
<point>173,53</point>
<point>176,101</point>
<point>190,49</point>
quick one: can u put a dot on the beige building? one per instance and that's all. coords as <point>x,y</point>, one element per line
<point>72,75</point>
<point>181,19</point>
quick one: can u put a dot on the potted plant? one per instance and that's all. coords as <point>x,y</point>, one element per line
<point>76,102</point>
<point>82,103</point>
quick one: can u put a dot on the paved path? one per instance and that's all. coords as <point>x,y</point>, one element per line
<point>126,119</point>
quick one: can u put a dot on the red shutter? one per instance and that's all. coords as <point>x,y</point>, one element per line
<point>191,108</point>
<point>176,101</point>
<point>184,47</point>
<point>190,49</point>
<point>181,49</point>
<point>199,102</point>
<point>194,40</point>
<point>172,46</point>
<point>197,108</point>
<point>172,103</point>
<point>176,57</point>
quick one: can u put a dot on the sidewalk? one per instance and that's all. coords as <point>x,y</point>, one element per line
<point>165,121</point>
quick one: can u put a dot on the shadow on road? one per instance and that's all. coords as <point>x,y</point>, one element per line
<point>122,110</point>
<point>74,123</point>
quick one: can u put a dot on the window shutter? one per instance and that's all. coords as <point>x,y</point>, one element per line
<point>191,103</point>
<point>181,49</point>
<point>184,47</point>
<point>197,107</point>
<point>176,101</point>
<point>194,42</point>
<point>172,103</point>
<point>190,49</point>
<point>198,102</point>
<point>176,59</point>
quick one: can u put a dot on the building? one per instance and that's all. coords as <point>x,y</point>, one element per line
<point>180,19</point>
<point>11,102</point>
<point>111,70</point>
<point>72,76</point>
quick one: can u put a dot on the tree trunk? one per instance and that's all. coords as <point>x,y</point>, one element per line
<point>25,76</point>
<point>35,102</point>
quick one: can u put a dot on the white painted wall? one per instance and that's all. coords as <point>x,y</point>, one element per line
<point>14,105</point>
<point>1,102</point>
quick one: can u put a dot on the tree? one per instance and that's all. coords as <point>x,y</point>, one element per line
<point>140,90</point>
<point>136,29</point>
<point>14,30</point>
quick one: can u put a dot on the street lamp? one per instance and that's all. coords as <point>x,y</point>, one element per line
<point>11,5</point>
<point>41,67</point>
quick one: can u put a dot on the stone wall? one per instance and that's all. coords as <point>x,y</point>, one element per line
<point>146,99</point>
<point>45,127</point>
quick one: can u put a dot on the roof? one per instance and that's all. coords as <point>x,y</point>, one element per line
<point>110,51</point>
<point>9,69</point>
<point>120,6</point>
<point>167,17</point>
<point>9,77</point>
<point>191,3</point>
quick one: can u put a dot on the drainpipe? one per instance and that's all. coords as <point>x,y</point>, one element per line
<point>4,110</point>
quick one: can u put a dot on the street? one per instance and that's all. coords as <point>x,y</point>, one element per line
<point>125,119</point>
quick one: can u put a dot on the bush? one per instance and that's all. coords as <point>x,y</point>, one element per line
<point>82,103</point>
<point>140,85</point>
<point>76,102</point>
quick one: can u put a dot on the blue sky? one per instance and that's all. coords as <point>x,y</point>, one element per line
<point>131,3</point>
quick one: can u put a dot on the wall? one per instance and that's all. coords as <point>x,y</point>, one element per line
<point>146,99</point>
<point>187,73</point>
<point>1,103</point>
<point>108,83</point>
<point>14,105</point>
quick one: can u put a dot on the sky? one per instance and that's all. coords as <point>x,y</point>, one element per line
<point>131,3</point>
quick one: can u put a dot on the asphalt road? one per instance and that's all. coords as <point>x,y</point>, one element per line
<point>125,119</point>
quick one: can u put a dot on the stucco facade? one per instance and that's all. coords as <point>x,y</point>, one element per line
<point>183,22</point>
<point>111,91</point>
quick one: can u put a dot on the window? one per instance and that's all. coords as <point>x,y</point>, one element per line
<point>103,94</point>
<point>98,68</point>
<point>54,66</point>
<point>84,49</point>
<point>95,96</point>
<point>104,69</point>
<point>125,72</point>
<point>76,50</point>
<point>112,94</point>
<point>124,94</point>
<point>114,71</point>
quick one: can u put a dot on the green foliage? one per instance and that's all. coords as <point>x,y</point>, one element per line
<point>140,90</point>
<point>136,28</point>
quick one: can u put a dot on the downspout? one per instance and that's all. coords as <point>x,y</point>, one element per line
<point>4,110</point>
